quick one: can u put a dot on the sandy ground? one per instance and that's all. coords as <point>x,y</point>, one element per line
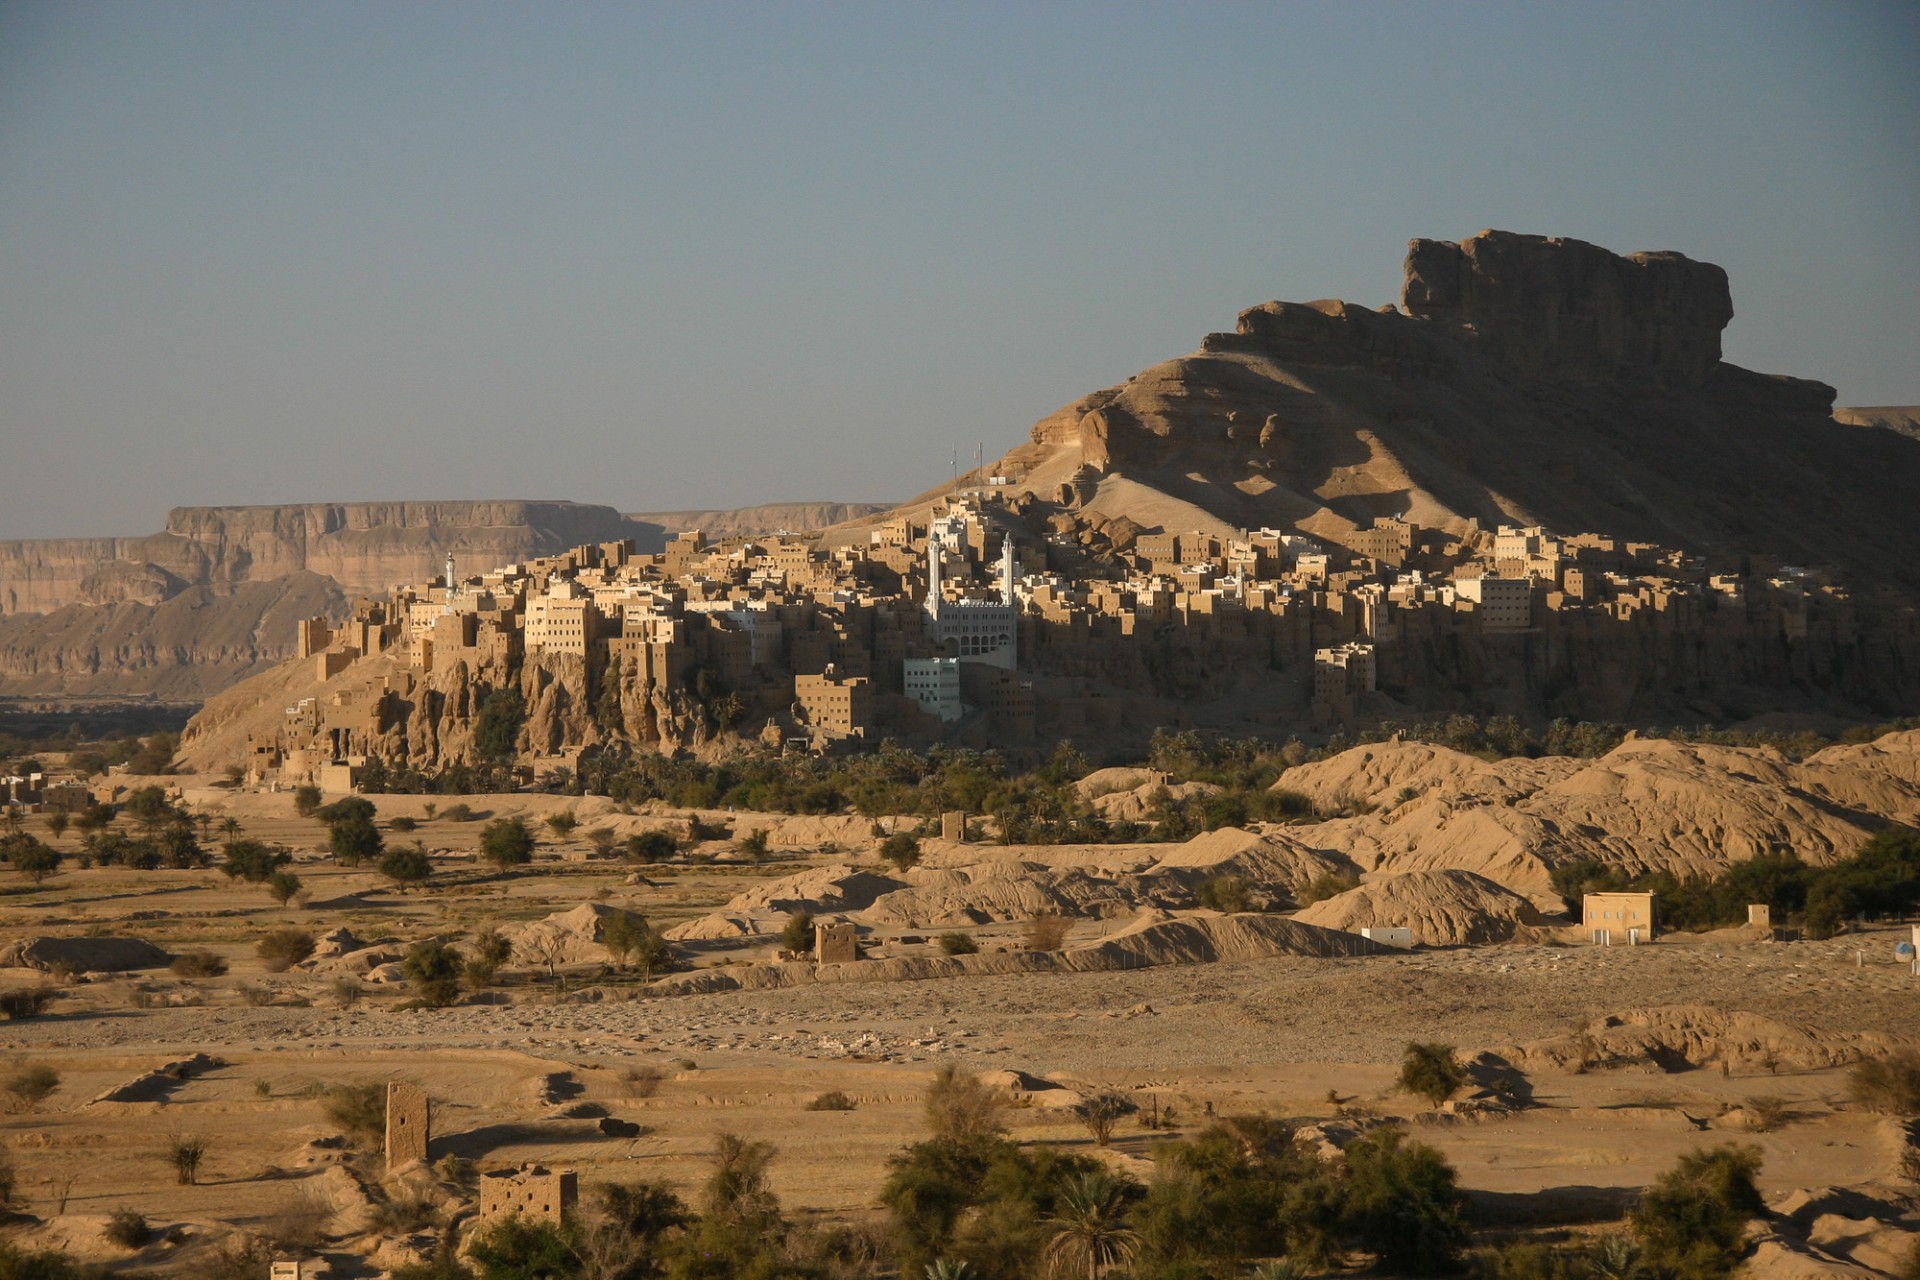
<point>1279,1036</point>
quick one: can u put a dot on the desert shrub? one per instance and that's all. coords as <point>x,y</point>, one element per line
<point>797,935</point>
<point>402,824</point>
<point>958,944</point>
<point>1431,1071</point>
<point>1101,1113</point>
<point>185,1152</point>
<point>506,842</point>
<point>1890,1084</point>
<point>632,940</point>
<point>283,886</point>
<point>21,1003</point>
<point>601,838</point>
<point>32,858</point>
<point>1528,1260</point>
<point>28,1085</point>
<point>1768,1112</point>
<point>347,991</point>
<point>458,813</point>
<point>1404,1203</point>
<point>961,1109</point>
<point>354,839</point>
<point>253,861</point>
<point>357,1110</point>
<point>306,801</point>
<point>491,949</point>
<point>127,1229</point>
<point>433,968</point>
<point>282,949</point>
<point>1046,932</point>
<point>1285,803</point>
<point>832,1100</point>
<point>1691,1221</point>
<point>651,846</point>
<point>17,1263</point>
<point>642,1081</point>
<point>753,845</point>
<point>1240,1188</point>
<point>198,964</point>
<point>562,823</point>
<point>901,850</point>
<point>401,1215</point>
<point>1222,893</point>
<point>517,1248</point>
<point>406,865</point>
<point>1328,884</point>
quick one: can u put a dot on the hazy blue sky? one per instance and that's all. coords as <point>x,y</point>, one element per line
<point>713,254</point>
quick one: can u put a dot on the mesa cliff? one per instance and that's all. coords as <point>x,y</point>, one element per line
<point>1523,379</point>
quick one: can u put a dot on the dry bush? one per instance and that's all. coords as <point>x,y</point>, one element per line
<point>1046,932</point>
<point>27,1085</point>
<point>239,1257</point>
<point>1101,1114</point>
<point>22,1003</point>
<point>282,949</point>
<point>402,1216</point>
<point>185,1153</point>
<point>1890,1084</point>
<point>832,1100</point>
<point>1328,884</point>
<point>358,1110</point>
<point>1768,1112</point>
<point>958,944</point>
<point>198,964</point>
<point>642,1081</point>
<point>127,1229</point>
<point>962,1108</point>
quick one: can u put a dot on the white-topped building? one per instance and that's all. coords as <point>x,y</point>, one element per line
<point>982,630</point>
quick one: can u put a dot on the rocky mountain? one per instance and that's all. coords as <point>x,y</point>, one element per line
<point>748,522</point>
<point>1522,379</point>
<point>1903,418</point>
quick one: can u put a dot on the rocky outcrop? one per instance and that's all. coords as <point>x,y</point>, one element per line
<point>1528,380</point>
<point>748,522</point>
<point>1902,419</point>
<point>365,547</point>
<point>1569,310</point>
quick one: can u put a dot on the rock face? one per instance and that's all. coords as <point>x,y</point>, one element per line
<point>1902,419</point>
<point>1566,309</point>
<point>1528,380</point>
<point>365,547</point>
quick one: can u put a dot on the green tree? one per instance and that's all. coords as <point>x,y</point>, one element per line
<point>407,864</point>
<point>496,730</point>
<point>632,939</point>
<point>253,861</point>
<point>1690,1222</point>
<point>901,850</point>
<point>1431,1071</point>
<point>354,840</point>
<point>1089,1226</point>
<point>507,842</point>
<point>797,934</point>
<point>517,1248</point>
<point>30,857</point>
<point>284,886</point>
<point>651,846</point>
<point>1404,1202</point>
<point>434,969</point>
<point>306,800</point>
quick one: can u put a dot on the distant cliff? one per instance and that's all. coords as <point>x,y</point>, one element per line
<point>363,546</point>
<point>747,522</point>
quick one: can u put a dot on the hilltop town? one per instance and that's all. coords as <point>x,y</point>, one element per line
<point>1002,622</point>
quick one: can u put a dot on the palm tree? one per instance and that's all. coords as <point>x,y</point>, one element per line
<point>1089,1227</point>
<point>230,828</point>
<point>1616,1257</point>
<point>950,1269</point>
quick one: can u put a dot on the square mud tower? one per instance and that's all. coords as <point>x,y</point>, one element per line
<point>953,826</point>
<point>406,1124</point>
<point>534,1192</point>
<point>835,944</point>
<point>1759,915</point>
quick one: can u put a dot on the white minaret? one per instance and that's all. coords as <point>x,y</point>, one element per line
<point>933,577</point>
<point>447,604</point>
<point>1006,571</point>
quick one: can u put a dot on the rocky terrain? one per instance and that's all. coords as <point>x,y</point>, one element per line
<point>1522,379</point>
<point>214,598</point>
<point>1903,418</point>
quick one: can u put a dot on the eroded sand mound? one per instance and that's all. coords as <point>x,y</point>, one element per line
<point>82,955</point>
<point>1676,1037</point>
<point>1152,940</point>
<point>577,936</point>
<point>1648,805</point>
<point>1442,908</point>
<point>1267,859</point>
<point>831,888</point>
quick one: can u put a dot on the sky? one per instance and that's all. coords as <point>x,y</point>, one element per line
<point>715,254</point>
